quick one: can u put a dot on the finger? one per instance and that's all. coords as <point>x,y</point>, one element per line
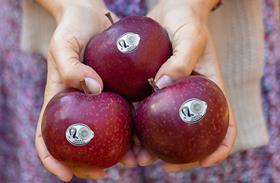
<point>129,160</point>
<point>178,167</point>
<point>208,65</point>
<point>87,172</point>
<point>51,164</point>
<point>145,158</point>
<point>188,44</point>
<point>224,149</point>
<point>65,52</point>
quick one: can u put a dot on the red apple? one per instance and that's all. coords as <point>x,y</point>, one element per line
<point>184,122</point>
<point>127,54</point>
<point>87,130</point>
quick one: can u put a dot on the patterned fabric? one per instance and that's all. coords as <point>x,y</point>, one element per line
<point>125,7</point>
<point>22,80</point>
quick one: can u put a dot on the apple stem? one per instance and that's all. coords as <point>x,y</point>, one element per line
<point>109,16</point>
<point>84,87</point>
<point>153,84</point>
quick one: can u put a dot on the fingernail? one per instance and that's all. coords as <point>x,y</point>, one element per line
<point>93,85</point>
<point>164,81</point>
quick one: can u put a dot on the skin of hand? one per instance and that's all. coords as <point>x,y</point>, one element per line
<point>193,50</point>
<point>77,22</point>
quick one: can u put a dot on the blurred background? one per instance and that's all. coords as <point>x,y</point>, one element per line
<point>22,80</point>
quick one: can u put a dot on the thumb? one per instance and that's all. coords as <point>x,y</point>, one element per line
<point>66,57</point>
<point>188,43</point>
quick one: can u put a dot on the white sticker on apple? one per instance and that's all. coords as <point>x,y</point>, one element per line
<point>128,42</point>
<point>79,134</point>
<point>193,110</point>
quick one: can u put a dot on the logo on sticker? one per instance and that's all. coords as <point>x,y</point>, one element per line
<point>193,110</point>
<point>128,42</point>
<point>79,134</point>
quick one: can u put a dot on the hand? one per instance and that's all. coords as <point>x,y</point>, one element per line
<point>208,66</point>
<point>77,22</point>
<point>186,23</point>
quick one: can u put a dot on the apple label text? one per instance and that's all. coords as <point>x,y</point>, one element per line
<point>128,42</point>
<point>79,134</point>
<point>191,111</point>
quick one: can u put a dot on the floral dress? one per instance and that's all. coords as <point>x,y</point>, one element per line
<point>22,80</point>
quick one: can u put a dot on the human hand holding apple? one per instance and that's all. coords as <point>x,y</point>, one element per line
<point>193,50</point>
<point>98,56</point>
<point>65,69</point>
<point>185,21</point>
<point>186,24</point>
<point>208,66</point>
<point>87,72</point>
